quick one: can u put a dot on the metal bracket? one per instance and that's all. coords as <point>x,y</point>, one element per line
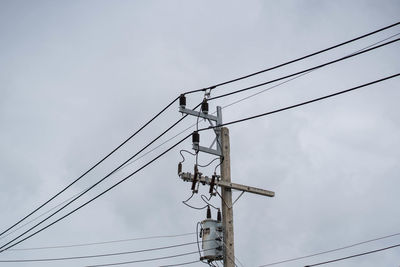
<point>188,177</point>
<point>210,118</point>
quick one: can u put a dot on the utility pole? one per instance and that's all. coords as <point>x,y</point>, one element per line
<point>222,143</point>
<point>226,201</point>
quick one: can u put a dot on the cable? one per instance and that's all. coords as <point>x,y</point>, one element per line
<point>257,93</point>
<point>102,242</point>
<point>295,60</point>
<point>144,260</point>
<point>94,198</point>
<point>305,70</point>
<point>183,158</point>
<point>100,255</point>
<point>204,89</point>
<point>301,75</point>
<point>302,103</point>
<point>180,264</point>
<point>353,256</point>
<point>91,168</point>
<point>95,184</point>
<point>331,250</point>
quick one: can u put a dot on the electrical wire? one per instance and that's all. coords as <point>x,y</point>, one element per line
<point>156,117</point>
<point>101,243</point>
<point>295,60</point>
<point>353,256</point>
<point>95,184</point>
<point>305,70</point>
<point>329,251</point>
<point>3,248</point>
<point>166,107</point>
<point>145,260</point>
<point>91,168</point>
<point>180,264</point>
<point>301,75</point>
<point>255,94</point>
<point>303,103</point>
<point>227,254</point>
<point>99,255</point>
<point>208,164</point>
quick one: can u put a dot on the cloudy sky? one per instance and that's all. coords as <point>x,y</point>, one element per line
<point>79,77</point>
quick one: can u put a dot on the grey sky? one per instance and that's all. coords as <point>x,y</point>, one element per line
<point>78,77</point>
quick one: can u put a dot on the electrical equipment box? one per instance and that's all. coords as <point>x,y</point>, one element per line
<point>211,234</point>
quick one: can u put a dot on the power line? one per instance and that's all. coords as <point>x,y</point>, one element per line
<point>302,103</point>
<point>95,184</point>
<point>353,256</point>
<point>94,198</point>
<point>329,251</point>
<point>180,264</point>
<point>234,92</point>
<point>250,96</point>
<point>166,107</point>
<point>305,70</point>
<point>99,255</point>
<point>300,75</point>
<point>296,60</point>
<point>150,259</point>
<point>102,242</point>
<point>91,168</point>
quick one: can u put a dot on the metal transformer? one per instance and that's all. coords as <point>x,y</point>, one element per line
<point>211,233</point>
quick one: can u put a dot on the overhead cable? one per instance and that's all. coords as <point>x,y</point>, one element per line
<point>102,242</point>
<point>91,168</point>
<point>94,185</point>
<point>99,255</point>
<point>180,264</point>
<point>302,103</point>
<point>305,70</point>
<point>353,256</point>
<point>329,251</point>
<point>4,248</point>
<point>166,107</point>
<point>150,259</point>
<point>295,60</point>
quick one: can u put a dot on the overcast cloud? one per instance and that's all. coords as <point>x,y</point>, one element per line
<point>78,77</point>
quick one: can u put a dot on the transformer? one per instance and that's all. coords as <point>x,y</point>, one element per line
<point>211,234</point>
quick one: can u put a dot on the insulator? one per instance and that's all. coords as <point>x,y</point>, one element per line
<point>196,174</point>
<point>179,168</point>
<point>204,106</point>
<point>212,183</point>
<point>219,217</point>
<point>182,101</point>
<point>195,138</point>
<point>208,212</point>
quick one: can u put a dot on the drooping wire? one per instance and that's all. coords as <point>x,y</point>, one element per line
<point>300,75</point>
<point>304,103</point>
<point>180,264</point>
<point>257,93</point>
<point>91,168</point>
<point>305,70</point>
<point>353,256</point>
<point>100,255</point>
<point>329,251</point>
<point>295,60</point>
<point>100,243</point>
<point>203,89</point>
<point>97,196</point>
<point>190,206</point>
<point>95,184</point>
<point>146,260</point>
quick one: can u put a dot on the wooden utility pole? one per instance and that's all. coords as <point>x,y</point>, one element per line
<point>223,151</point>
<point>227,210</point>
